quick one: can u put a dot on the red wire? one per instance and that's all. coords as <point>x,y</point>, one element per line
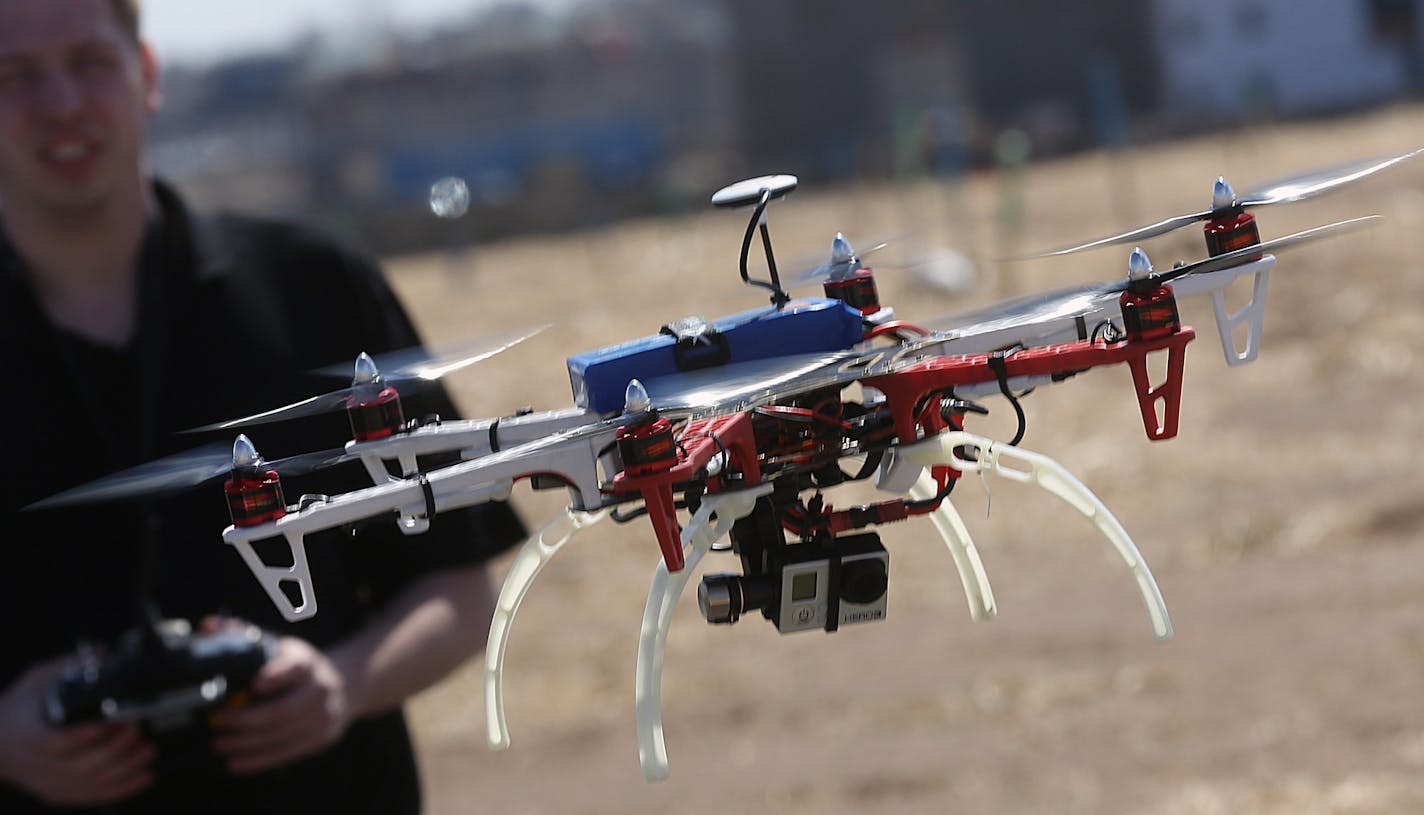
<point>786,412</point>
<point>895,326</point>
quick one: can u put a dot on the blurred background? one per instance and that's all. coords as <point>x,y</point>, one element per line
<point>1282,525</point>
<point>568,114</point>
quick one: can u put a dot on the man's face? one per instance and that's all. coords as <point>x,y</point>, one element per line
<point>75,92</point>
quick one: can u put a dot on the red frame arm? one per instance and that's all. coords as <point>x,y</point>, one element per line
<point>698,443</point>
<point>908,387</point>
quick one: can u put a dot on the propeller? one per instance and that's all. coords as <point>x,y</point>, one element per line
<point>182,471</point>
<point>740,385</point>
<point>1067,303</point>
<point>844,261</point>
<point>1032,309</point>
<point>1229,259</point>
<point>422,363</point>
<point>411,367</point>
<point>943,268</point>
<point>1225,200</point>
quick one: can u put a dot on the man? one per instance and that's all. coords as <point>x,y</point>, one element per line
<point>125,318</point>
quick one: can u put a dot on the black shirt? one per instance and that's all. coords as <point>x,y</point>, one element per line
<point>233,311</point>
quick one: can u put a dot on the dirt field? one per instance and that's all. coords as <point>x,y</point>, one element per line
<point>1282,525</point>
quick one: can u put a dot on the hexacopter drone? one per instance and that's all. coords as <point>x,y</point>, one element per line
<point>745,422</point>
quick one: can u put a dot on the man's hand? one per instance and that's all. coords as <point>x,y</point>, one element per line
<point>306,699</point>
<point>81,765</point>
<point>301,708</point>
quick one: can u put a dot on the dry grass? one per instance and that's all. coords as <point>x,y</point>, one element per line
<point>1280,526</point>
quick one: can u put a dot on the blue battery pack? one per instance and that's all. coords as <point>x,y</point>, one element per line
<point>810,325</point>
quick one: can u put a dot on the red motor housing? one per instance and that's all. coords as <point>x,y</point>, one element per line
<point>1151,314</point>
<point>1231,232</point>
<point>856,289</point>
<point>647,448</point>
<point>254,497</point>
<point>377,417</point>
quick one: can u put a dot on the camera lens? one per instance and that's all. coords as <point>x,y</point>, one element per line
<point>863,581</point>
<point>720,597</point>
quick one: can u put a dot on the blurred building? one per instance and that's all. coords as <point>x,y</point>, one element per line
<point>613,108</point>
<point>1068,74</point>
<point>833,89</point>
<point>552,127</point>
<point>1226,59</point>
<point>236,134</point>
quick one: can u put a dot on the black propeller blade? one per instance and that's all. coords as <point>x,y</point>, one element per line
<point>1294,188</point>
<point>406,369</point>
<point>179,472</point>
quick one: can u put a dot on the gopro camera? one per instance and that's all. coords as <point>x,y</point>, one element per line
<point>825,585</point>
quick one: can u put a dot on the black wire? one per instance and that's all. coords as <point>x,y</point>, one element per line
<point>1001,370</point>
<point>924,402</point>
<point>938,497</point>
<point>747,239</point>
<point>721,448</point>
<point>872,463</point>
<point>778,296</point>
<point>620,518</point>
<point>641,510</point>
<point>951,405</point>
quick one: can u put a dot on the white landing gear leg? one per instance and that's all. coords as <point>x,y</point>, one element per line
<point>530,560</point>
<point>697,539</point>
<point>961,547</point>
<point>1049,475</point>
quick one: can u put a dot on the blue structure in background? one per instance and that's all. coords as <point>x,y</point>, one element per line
<point>613,155</point>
